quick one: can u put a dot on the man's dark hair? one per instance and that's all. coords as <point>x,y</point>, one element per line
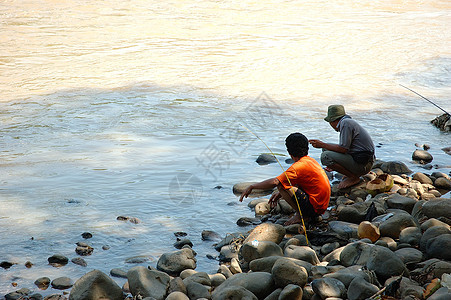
<point>297,144</point>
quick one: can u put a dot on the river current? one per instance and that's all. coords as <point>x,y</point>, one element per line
<point>148,109</point>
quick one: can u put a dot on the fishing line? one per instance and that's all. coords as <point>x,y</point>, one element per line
<point>426,100</point>
<point>289,182</point>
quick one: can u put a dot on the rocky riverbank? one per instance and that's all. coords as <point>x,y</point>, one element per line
<point>387,238</point>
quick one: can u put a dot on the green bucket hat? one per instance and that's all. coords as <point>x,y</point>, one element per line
<point>334,112</point>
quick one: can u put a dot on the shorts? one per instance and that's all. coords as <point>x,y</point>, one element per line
<point>304,203</point>
<point>346,161</point>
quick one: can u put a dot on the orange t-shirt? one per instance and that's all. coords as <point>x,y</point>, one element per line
<point>308,175</point>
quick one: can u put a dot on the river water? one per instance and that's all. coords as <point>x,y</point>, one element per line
<point>142,109</point>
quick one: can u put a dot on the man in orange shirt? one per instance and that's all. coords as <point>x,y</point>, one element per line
<point>305,182</point>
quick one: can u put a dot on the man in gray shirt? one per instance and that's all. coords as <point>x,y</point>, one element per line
<point>354,155</point>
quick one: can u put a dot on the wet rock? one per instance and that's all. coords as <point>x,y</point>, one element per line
<point>344,229</point>
<point>346,275</point>
<point>227,253</point>
<point>177,296</point>
<point>18,295</point>
<point>443,183</point>
<point>208,235</point>
<point>421,177</point>
<point>381,260</point>
<point>432,233</point>
<point>253,250</point>
<point>95,285</point>
<point>393,226</point>
<point>431,223</point>
<point>199,277</point>
<point>180,234</point>
<point>140,259</point>
<point>440,174</point>
<point>246,221</point>
<point>230,239</point>
<point>329,287</point>
<point>176,285</point>
<point>225,271</point>
<point>62,283</point>
<point>400,202</point>
<point>409,255</point>
<point>422,156</point>
<point>196,290</point>
<point>265,159</point>
<point>302,253</point>
<point>286,272</point>
<point>175,262</point>
<point>260,284</point>
<point>86,235</point>
<point>368,230</point>
<point>239,188</point>
<point>262,209</point>
<point>439,247</point>
<point>234,292</point>
<point>274,295</point>
<point>58,260</point>
<point>254,202</point>
<point>437,208</point>
<point>235,266</point>
<point>217,279</point>
<point>395,167</point>
<point>410,235</point>
<point>148,283</point>
<point>267,232</point>
<point>360,289</point>
<point>42,283</point>
<point>79,261</point>
<point>83,249</point>
<point>329,247</point>
<point>183,242</point>
<point>116,272</point>
<point>291,292</point>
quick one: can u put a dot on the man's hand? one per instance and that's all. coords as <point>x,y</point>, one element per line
<point>317,143</point>
<point>274,200</point>
<point>246,192</point>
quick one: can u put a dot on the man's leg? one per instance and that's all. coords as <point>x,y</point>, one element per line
<point>287,195</point>
<point>344,164</point>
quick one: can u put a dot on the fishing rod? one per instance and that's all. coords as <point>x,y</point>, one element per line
<point>427,100</point>
<point>289,182</point>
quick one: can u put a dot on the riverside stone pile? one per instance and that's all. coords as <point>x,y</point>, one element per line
<point>393,242</point>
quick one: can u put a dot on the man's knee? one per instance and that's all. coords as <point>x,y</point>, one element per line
<point>326,158</point>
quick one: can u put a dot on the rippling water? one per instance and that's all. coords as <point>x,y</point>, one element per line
<point>136,108</point>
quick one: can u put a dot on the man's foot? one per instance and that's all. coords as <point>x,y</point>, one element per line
<point>293,220</point>
<point>348,182</point>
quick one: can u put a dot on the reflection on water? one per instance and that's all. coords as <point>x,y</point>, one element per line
<point>105,109</point>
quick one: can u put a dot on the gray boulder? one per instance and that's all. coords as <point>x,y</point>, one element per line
<point>196,290</point>
<point>255,250</point>
<point>274,295</point>
<point>409,255</point>
<point>265,264</point>
<point>329,287</point>
<point>423,178</point>
<point>422,156</point>
<point>95,285</point>
<point>410,235</point>
<point>175,262</point>
<point>148,283</point>
<point>395,168</point>
<point>267,232</point>
<point>345,229</point>
<point>439,247</point>
<point>381,260</point>
<point>261,284</point>
<point>302,253</point>
<point>437,208</point>
<point>400,202</point>
<point>291,292</point>
<point>443,183</point>
<point>234,293</point>
<point>394,225</point>
<point>348,274</point>
<point>360,289</point>
<point>431,233</point>
<point>431,223</point>
<point>286,272</point>
<point>177,296</point>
